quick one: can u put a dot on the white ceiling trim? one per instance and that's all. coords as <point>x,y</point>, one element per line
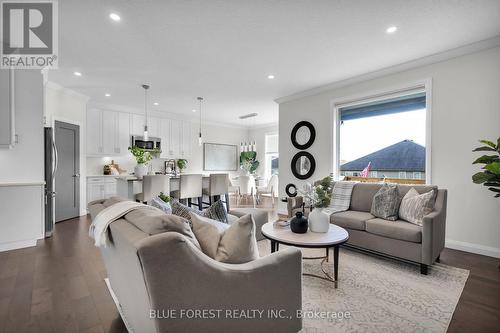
<point>428,60</point>
<point>57,87</point>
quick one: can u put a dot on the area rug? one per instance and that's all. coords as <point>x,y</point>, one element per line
<point>376,294</point>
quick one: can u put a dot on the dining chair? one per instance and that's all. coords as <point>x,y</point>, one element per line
<point>152,185</point>
<point>247,188</point>
<point>271,190</point>
<point>190,187</point>
<point>218,185</point>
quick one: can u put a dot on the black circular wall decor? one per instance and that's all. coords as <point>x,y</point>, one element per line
<point>291,190</point>
<point>303,165</point>
<point>309,141</point>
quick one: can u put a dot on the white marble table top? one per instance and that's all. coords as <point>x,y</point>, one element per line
<point>335,235</point>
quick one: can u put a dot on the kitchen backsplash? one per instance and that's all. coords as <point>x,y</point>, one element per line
<point>95,164</point>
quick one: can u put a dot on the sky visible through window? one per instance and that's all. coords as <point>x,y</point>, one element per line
<point>360,137</point>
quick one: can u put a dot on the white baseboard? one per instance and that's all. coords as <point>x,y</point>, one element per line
<point>17,245</point>
<point>473,248</point>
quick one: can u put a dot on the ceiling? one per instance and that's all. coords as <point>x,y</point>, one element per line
<point>224,50</point>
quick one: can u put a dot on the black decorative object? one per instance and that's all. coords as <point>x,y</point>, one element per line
<point>312,135</point>
<point>303,165</point>
<point>299,223</point>
<point>291,190</point>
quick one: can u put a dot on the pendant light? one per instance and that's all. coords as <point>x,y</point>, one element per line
<point>200,140</point>
<point>145,136</point>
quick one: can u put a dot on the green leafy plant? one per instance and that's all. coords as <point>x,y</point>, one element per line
<point>248,161</point>
<point>490,177</point>
<point>319,195</point>
<point>163,197</point>
<point>143,156</point>
<point>181,164</point>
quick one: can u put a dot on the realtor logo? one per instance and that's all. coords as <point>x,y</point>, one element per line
<point>29,34</point>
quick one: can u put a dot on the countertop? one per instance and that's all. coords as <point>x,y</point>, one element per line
<point>23,183</point>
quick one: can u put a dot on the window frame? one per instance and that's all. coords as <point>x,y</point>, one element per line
<point>424,85</point>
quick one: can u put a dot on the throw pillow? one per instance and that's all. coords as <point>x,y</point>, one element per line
<point>415,206</point>
<point>216,211</point>
<point>385,203</point>
<point>234,244</point>
<point>154,222</point>
<point>160,204</point>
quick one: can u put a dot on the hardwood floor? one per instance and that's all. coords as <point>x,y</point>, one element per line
<point>58,286</point>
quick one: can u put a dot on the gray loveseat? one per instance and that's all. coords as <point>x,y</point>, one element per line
<point>153,270</point>
<point>400,239</point>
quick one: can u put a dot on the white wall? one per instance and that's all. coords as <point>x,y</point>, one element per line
<point>25,161</point>
<point>465,108</point>
<point>65,105</point>
<point>211,134</point>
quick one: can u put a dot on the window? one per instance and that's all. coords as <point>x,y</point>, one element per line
<point>385,136</point>
<point>272,157</point>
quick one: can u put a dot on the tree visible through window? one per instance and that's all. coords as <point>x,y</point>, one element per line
<point>272,157</point>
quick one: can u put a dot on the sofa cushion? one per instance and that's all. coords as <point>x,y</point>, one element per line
<point>398,229</point>
<point>111,201</point>
<point>260,217</point>
<point>154,222</point>
<point>386,202</point>
<point>234,244</point>
<point>95,209</point>
<point>351,219</point>
<point>362,196</point>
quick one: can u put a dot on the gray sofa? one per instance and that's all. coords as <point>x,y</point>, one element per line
<point>400,239</point>
<point>164,271</point>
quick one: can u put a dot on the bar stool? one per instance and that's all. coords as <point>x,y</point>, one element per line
<point>190,186</point>
<point>152,186</point>
<point>217,186</point>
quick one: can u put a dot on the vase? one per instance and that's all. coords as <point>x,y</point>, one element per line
<point>319,221</point>
<point>140,170</point>
<point>299,223</point>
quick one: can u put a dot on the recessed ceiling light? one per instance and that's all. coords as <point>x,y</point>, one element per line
<point>193,110</point>
<point>392,29</point>
<point>77,74</point>
<point>156,103</point>
<point>107,95</point>
<point>115,17</point>
<point>270,76</point>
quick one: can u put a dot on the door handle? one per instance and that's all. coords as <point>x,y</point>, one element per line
<point>76,175</point>
<point>56,159</point>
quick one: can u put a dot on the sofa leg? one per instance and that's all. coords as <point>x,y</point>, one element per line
<point>423,269</point>
<point>438,259</point>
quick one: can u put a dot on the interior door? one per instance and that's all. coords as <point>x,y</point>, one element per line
<point>67,177</point>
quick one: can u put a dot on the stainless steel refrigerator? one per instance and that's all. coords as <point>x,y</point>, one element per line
<point>50,151</point>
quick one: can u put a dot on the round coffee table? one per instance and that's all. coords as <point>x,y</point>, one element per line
<point>335,237</point>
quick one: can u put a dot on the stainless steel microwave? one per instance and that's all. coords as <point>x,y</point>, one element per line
<point>150,143</point>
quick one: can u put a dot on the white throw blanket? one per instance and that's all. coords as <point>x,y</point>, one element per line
<point>341,197</point>
<point>99,228</point>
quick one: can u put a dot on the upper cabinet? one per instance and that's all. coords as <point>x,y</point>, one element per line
<point>108,132</point>
<point>7,128</point>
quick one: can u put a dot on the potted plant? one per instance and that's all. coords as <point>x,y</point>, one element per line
<point>248,162</point>
<point>318,197</point>
<point>490,177</point>
<point>142,157</point>
<point>181,164</point>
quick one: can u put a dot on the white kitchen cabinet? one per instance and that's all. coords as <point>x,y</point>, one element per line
<point>109,130</point>
<point>154,127</point>
<point>165,138</point>
<point>175,138</point>
<point>94,132</point>
<point>186,140</point>
<point>123,135</point>
<point>137,127</point>
<point>7,126</point>
<point>100,187</point>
